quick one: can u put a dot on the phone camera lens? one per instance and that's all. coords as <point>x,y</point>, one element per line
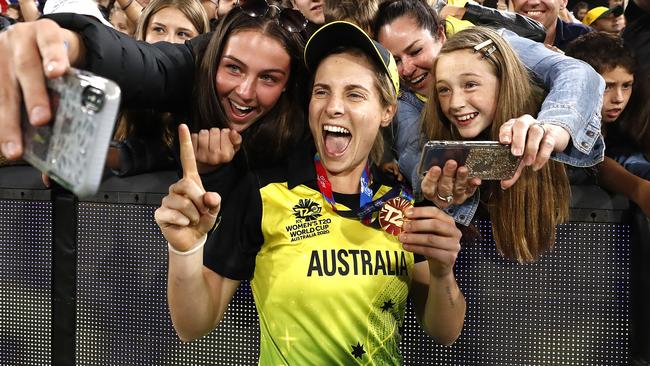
<point>92,98</point>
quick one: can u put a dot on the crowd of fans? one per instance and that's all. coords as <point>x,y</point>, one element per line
<point>144,137</point>
<point>246,97</point>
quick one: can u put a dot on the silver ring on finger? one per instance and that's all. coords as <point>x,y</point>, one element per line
<point>541,125</point>
<point>447,199</point>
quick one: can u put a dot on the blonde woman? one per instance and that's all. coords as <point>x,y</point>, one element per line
<point>320,272</point>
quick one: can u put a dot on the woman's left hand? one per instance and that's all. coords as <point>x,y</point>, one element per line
<point>533,141</point>
<point>449,185</point>
<point>215,147</point>
<point>432,233</point>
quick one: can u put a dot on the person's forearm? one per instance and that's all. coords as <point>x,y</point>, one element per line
<point>158,76</point>
<point>193,309</point>
<point>575,92</point>
<point>29,10</point>
<point>444,311</point>
<point>76,48</point>
<point>519,24</point>
<point>614,177</point>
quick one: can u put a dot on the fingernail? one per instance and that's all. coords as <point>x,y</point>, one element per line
<point>506,139</point>
<point>516,152</point>
<point>408,212</point>
<point>406,226</point>
<point>9,149</point>
<point>38,114</point>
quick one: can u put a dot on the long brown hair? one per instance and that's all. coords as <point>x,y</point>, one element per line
<point>269,138</point>
<point>524,217</point>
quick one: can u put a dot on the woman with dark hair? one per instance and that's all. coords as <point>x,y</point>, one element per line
<point>257,86</point>
<point>247,79</point>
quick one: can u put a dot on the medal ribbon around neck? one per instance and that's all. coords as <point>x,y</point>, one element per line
<point>366,205</point>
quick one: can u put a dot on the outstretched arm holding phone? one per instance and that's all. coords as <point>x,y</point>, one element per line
<point>33,51</point>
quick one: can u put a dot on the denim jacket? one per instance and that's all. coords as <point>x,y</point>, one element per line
<point>573,102</point>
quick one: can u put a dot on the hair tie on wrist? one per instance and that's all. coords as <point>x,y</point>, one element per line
<point>127,4</point>
<point>195,248</point>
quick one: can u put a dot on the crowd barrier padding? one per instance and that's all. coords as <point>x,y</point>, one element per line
<point>573,307</point>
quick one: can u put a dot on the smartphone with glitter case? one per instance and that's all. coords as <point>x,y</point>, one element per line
<point>72,148</point>
<point>488,160</point>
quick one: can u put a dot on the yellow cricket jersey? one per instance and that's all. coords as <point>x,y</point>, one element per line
<point>329,290</point>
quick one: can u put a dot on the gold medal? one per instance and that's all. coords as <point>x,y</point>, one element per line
<point>391,215</point>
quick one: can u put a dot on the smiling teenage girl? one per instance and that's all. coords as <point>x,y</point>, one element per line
<point>412,32</point>
<point>262,73</point>
<point>479,85</point>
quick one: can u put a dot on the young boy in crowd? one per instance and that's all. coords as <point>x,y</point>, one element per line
<point>615,62</point>
<point>605,19</point>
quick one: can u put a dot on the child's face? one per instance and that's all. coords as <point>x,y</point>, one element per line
<point>468,89</point>
<point>618,89</point>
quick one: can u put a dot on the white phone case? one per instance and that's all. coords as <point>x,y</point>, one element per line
<point>72,148</point>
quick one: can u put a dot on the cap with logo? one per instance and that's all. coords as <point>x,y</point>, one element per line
<point>341,34</point>
<point>601,12</point>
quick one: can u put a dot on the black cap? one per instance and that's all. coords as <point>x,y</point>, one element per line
<point>341,33</point>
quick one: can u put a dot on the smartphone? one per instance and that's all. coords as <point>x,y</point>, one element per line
<point>71,149</point>
<point>488,160</point>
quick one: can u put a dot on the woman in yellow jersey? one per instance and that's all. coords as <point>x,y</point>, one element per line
<point>332,248</point>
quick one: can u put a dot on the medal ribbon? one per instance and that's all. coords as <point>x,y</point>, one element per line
<point>366,205</point>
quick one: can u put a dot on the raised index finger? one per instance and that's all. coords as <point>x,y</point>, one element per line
<point>188,161</point>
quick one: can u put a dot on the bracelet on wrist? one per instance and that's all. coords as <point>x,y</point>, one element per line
<point>195,248</point>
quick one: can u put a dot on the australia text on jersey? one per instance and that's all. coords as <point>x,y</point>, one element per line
<point>355,262</point>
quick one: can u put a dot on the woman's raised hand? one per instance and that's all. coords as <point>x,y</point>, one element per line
<point>188,212</point>
<point>214,147</point>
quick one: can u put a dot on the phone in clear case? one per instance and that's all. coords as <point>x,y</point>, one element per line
<point>72,148</point>
<point>488,160</point>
